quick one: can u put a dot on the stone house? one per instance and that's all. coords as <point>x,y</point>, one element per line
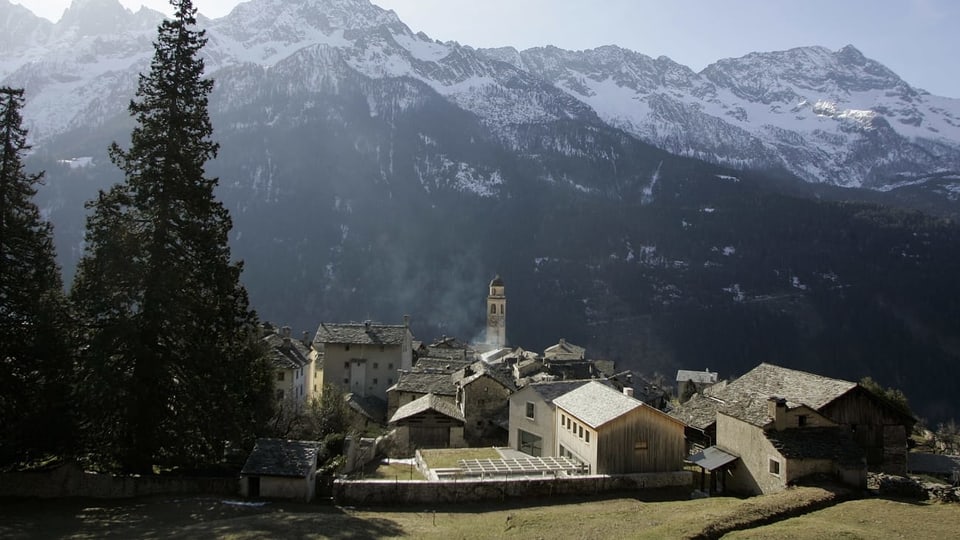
<point>293,368</point>
<point>427,422</point>
<point>533,421</point>
<point>878,427</point>
<point>563,352</point>
<point>693,382</point>
<point>482,395</point>
<point>413,385</point>
<point>778,443</point>
<point>362,358</point>
<point>612,433</point>
<point>282,469</point>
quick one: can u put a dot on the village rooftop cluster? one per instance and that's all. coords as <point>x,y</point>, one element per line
<point>561,412</point>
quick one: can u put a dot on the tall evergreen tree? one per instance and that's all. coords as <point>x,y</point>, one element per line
<point>171,369</point>
<point>34,361</point>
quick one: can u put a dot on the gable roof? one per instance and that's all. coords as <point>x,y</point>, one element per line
<point>480,369</point>
<point>360,334</point>
<point>369,407</point>
<point>698,377</point>
<point>426,403</point>
<point>756,386</point>
<point>286,353</point>
<point>425,382</point>
<point>550,390</point>
<point>596,404</point>
<point>281,457</point>
<point>564,350</point>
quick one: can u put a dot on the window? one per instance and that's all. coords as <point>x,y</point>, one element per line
<point>588,436</point>
<point>374,381</point>
<point>376,365</point>
<point>502,307</point>
<point>346,347</point>
<point>802,420</point>
<point>774,467</point>
<point>346,380</point>
<point>346,365</point>
<point>580,434</point>
<point>280,375</point>
<point>493,309</point>
<point>530,411</point>
<point>390,366</point>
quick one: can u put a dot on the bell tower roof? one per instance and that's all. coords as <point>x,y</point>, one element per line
<point>497,281</point>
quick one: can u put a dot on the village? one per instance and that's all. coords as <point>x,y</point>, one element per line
<point>562,416</point>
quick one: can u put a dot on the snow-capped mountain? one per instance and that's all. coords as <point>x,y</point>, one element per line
<point>831,117</point>
<point>372,172</point>
<point>834,117</point>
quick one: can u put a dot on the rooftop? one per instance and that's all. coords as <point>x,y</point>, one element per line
<point>281,457</point>
<point>698,377</point>
<point>426,382</point>
<point>753,389</point>
<point>361,334</point>
<point>596,404</point>
<point>834,443</point>
<point>426,403</point>
<point>551,390</point>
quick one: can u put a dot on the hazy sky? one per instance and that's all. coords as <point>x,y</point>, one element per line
<point>918,39</point>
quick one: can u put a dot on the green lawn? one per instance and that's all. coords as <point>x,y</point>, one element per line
<point>443,458</point>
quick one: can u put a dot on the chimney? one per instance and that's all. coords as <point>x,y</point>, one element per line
<point>563,342</point>
<point>366,325</point>
<point>306,338</point>
<point>285,332</point>
<point>628,391</point>
<point>777,410</point>
<point>406,321</point>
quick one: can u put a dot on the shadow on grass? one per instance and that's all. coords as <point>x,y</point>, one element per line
<point>194,517</point>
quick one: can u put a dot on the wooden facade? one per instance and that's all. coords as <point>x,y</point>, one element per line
<point>643,440</point>
<point>877,427</point>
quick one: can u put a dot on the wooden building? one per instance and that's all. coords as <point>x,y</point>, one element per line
<point>427,422</point>
<point>613,433</point>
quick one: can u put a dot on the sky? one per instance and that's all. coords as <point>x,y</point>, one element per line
<point>917,39</point>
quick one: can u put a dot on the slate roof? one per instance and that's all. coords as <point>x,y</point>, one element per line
<point>360,334</point>
<point>426,403</point>
<point>281,457</point>
<point>565,351</point>
<point>596,404</point>
<point>370,407</point>
<point>286,353</point>
<point>448,365</point>
<point>480,369</point>
<point>698,377</point>
<point>551,390</point>
<point>834,443</point>
<point>422,382</point>
<point>747,395</point>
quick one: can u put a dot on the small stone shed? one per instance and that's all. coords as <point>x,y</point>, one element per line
<point>282,469</point>
<point>428,422</point>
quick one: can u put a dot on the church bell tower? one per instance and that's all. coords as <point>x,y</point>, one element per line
<point>497,314</point>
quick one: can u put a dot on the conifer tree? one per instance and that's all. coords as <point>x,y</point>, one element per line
<point>34,361</point>
<point>171,368</point>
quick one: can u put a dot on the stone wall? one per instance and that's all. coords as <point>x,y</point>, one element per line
<point>393,492</point>
<point>71,481</point>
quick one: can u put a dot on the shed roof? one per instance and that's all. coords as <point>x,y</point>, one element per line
<point>426,403</point>
<point>712,458</point>
<point>361,334</point>
<point>281,457</point>
<point>596,404</point>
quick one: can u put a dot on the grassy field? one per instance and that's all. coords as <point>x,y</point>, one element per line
<point>443,458</point>
<point>652,515</point>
